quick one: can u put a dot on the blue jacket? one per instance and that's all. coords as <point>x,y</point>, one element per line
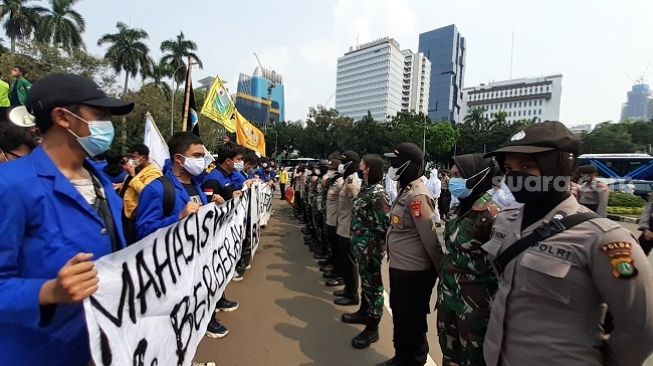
<point>265,177</point>
<point>149,213</point>
<point>45,222</point>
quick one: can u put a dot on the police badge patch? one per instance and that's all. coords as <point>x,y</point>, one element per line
<point>623,265</point>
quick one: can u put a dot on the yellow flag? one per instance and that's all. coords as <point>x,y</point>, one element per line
<point>249,136</point>
<point>219,107</point>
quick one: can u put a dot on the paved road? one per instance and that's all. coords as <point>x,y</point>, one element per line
<point>286,316</point>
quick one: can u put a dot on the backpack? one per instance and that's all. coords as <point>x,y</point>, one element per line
<point>129,224</point>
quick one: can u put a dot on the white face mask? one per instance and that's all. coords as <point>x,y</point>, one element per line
<point>342,168</point>
<point>239,166</point>
<point>194,166</point>
<point>395,173</point>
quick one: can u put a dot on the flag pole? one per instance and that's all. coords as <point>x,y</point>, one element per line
<point>187,97</point>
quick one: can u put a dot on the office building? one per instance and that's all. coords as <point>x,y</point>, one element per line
<point>417,77</point>
<point>260,97</point>
<point>446,50</point>
<point>379,78</point>
<point>637,104</point>
<point>533,99</point>
<point>370,79</point>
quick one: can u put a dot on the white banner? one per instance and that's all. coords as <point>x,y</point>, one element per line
<point>260,209</point>
<point>156,297</point>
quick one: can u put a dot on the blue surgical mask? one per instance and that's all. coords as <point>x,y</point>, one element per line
<point>101,134</point>
<point>458,186</point>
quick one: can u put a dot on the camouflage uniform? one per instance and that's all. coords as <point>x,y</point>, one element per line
<point>467,285</point>
<point>369,224</point>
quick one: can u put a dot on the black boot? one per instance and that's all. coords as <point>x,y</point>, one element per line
<point>367,336</point>
<point>359,317</point>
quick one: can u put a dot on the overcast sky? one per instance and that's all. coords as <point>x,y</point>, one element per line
<point>596,44</point>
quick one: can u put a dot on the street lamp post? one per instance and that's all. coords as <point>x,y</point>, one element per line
<point>172,104</point>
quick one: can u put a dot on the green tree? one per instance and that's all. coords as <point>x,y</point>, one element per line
<point>127,52</point>
<point>476,119</point>
<point>176,52</point>
<point>156,73</point>
<point>21,20</point>
<point>608,138</point>
<point>62,25</point>
<point>499,119</point>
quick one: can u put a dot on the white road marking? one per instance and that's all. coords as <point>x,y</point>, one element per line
<point>386,302</point>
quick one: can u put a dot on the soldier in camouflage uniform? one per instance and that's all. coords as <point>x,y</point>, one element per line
<point>369,225</point>
<point>467,282</point>
<point>308,214</point>
<point>320,212</point>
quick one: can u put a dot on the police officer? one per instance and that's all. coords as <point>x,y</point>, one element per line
<point>322,250</point>
<point>558,263</point>
<point>333,193</point>
<point>59,214</point>
<point>414,255</point>
<point>369,225</point>
<point>347,268</point>
<point>592,193</point>
<point>645,223</point>
<point>467,282</point>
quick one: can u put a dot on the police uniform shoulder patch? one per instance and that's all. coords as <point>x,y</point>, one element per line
<point>416,208</point>
<point>350,180</point>
<point>619,253</point>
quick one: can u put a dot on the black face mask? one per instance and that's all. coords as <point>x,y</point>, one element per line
<point>527,187</point>
<point>359,173</point>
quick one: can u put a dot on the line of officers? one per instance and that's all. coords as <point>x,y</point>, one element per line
<point>548,303</point>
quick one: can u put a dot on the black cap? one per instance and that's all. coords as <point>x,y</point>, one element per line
<point>540,137</point>
<point>333,164</point>
<point>587,169</point>
<point>349,156</point>
<point>59,90</point>
<point>406,151</point>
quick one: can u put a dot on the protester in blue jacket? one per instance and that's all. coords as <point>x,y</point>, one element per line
<point>262,172</point>
<point>58,215</point>
<point>186,162</point>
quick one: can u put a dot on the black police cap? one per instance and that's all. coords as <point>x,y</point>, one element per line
<point>406,151</point>
<point>60,90</point>
<point>538,138</point>
<point>349,156</point>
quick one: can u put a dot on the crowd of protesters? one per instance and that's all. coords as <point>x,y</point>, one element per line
<point>69,200</point>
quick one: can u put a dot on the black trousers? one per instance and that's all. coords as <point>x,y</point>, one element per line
<point>332,242</point>
<point>348,267</point>
<point>444,203</point>
<point>282,188</point>
<point>410,294</point>
<point>299,205</point>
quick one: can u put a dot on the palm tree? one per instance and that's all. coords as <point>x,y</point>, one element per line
<point>476,119</point>
<point>62,26</point>
<point>127,51</point>
<point>157,72</point>
<point>500,119</point>
<point>20,20</point>
<point>176,51</point>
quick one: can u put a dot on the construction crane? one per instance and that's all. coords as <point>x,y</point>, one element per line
<point>642,77</point>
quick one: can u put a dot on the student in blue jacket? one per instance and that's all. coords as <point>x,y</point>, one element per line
<point>186,162</point>
<point>58,215</point>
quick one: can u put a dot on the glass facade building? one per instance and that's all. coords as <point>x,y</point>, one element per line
<point>260,97</point>
<point>637,105</point>
<point>446,50</point>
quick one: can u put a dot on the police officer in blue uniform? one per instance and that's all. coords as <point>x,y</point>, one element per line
<point>58,215</point>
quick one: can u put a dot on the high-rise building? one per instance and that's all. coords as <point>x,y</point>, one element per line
<point>260,97</point>
<point>417,77</point>
<point>533,99</point>
<point>637,104</point>
<point>379,78</point>
<point>446,49</point>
